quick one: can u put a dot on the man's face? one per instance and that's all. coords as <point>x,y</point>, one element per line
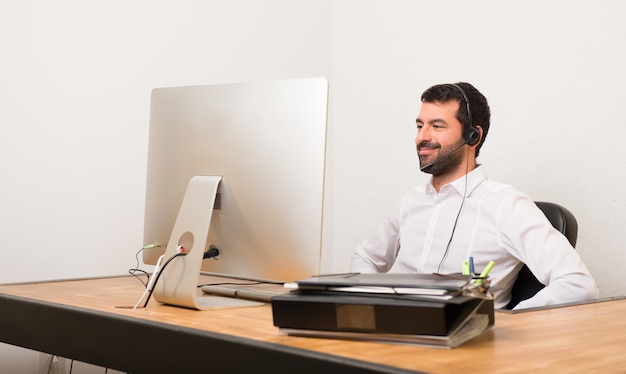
<point>439,138</point>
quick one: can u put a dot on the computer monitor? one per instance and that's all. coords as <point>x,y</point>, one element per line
<point>237,167</point>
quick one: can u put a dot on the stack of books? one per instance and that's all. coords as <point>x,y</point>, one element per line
<point>426,309</point>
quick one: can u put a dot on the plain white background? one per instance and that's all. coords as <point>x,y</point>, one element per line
<point>75,81</point>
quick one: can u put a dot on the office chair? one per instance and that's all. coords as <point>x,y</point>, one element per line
<point>526,285</point>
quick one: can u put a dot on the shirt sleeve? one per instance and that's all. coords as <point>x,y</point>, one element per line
<point>531,238</point>
<point>378,253</point>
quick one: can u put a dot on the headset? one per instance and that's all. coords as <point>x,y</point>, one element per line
<point>471,135</point>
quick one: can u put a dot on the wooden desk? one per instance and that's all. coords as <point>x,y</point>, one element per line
<point>79,319</point>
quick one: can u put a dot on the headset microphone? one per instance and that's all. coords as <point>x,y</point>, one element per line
<point>428,166</point>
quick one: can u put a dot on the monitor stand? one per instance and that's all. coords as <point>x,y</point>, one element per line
<point>178,283</point>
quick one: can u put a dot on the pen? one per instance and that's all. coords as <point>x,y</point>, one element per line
<point>471,265</point>
<point>465,267</point>
<point>485,272</point>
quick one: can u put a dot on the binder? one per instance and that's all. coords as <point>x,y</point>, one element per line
<point>384,283</point>
<point>313,308</point>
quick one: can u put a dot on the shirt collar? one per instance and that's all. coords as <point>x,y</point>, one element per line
<point>474,178</point>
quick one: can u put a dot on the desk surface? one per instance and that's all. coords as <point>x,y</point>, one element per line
<point>582,337</point>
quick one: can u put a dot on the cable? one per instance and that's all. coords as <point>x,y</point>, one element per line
<point>212,252</point>
<point>456,220</point>
<point>151,282</point>
<point>158,275</point>
<point>239,284</point>
<point>136,269</point>
<point>147,293</point>
<point>50,363</point>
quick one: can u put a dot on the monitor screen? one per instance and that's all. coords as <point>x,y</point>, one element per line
<point>265,142</point>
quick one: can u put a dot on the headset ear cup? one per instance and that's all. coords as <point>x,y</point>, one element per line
<point>473,136</point>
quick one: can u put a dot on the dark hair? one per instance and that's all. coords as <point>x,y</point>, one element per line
<point>480,112</point>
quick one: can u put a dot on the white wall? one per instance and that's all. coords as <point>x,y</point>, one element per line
<point>74,91</point>
<point>75,79</point>
<point>553,72</point>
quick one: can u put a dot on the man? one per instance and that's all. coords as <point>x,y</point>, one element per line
<point>461,213</point>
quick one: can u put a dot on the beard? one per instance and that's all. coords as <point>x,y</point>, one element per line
<point>446,161</point>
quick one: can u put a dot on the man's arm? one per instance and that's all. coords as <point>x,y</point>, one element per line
<point>566,277</point>
<point>549,256</point>
<point>378,253</point>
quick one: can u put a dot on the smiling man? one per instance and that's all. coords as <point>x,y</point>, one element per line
<point>461,213</point>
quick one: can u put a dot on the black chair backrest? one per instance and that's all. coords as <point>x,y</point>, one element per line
<point>526,285</point>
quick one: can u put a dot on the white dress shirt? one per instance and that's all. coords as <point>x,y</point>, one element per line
<point>496,222</point>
